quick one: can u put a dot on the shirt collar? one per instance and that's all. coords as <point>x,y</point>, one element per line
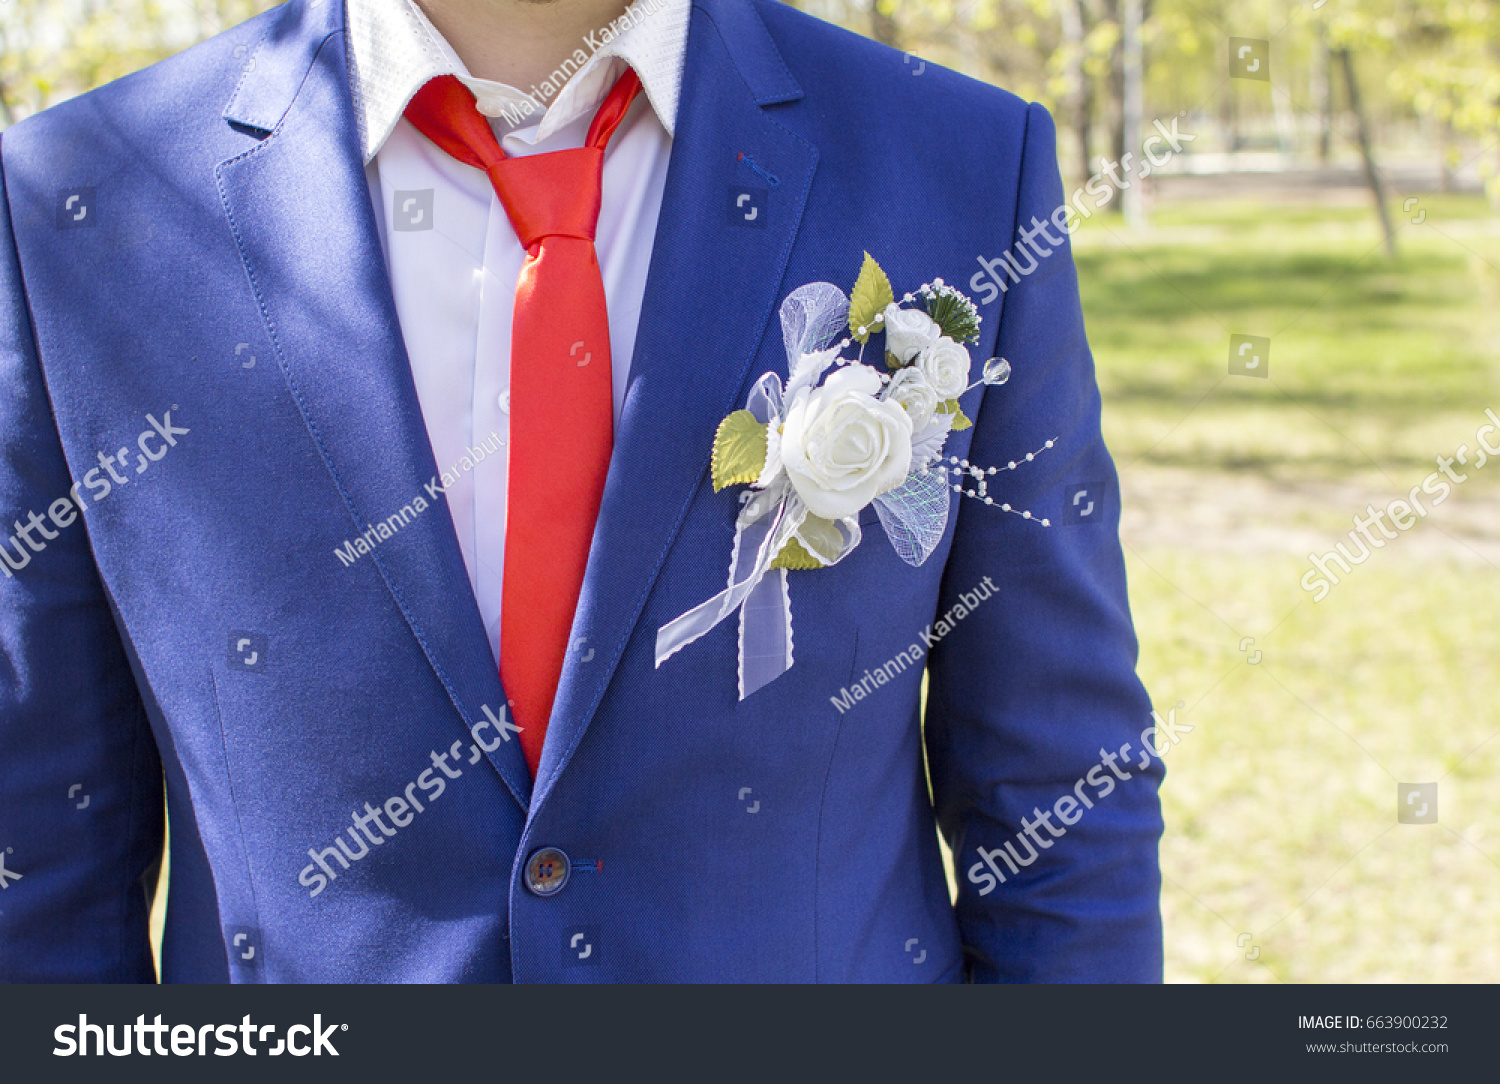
<point>394,50</point>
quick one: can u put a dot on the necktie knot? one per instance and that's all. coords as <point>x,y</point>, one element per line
<point>550,195</point>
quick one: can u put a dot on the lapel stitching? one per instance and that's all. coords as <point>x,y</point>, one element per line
<point>505,768</point>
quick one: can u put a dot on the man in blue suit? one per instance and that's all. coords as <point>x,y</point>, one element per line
<point>250,376</point>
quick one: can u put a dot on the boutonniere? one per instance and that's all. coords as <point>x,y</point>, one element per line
<point>839,436</point>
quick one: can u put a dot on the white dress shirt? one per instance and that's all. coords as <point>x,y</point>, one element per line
<point>452,255</point>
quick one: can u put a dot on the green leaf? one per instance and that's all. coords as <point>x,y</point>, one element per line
<point>893,362</point>
<point>821,538</point>
<point>960,420</point>
<point>795,557</point>
<point>871,294</point>
<point>739,450</point>
<point>815,536</point>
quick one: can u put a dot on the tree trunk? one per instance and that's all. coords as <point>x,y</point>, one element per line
<point>1116,85</point>
<point>1071,16</point>
<point>1372,174</point>
<point>883,27</point>
<point>1446,180</point>
<point>1322,94</point>
<point>1084,133</point>
<point>1132,113</point>
<point>7,118</point>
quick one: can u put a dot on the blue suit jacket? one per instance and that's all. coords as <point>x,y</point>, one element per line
<point>198,239</point>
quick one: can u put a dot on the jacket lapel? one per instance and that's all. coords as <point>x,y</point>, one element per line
<point>715,283</point>
<point>300,208</point>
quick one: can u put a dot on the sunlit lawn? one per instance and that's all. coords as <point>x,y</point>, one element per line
<point>1283,858</point>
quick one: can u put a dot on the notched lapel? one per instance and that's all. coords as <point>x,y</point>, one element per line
<point>299,205</point>
<point>735,192</point>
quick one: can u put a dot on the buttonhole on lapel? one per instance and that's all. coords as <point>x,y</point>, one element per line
<point>770,178</point>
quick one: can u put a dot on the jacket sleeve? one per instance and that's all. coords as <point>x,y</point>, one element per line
<point>1035,688</point>
<point>81,821</point>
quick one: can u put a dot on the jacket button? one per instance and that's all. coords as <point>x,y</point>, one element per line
<point>547,871</point>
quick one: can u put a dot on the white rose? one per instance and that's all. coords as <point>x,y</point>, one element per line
<point>945,364</point>
<point>841,446</point>
<point>907,331</point>
<point>911,389</point>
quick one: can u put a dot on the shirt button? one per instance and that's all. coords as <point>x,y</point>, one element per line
<point>547,871</point>
<point>503,401</point>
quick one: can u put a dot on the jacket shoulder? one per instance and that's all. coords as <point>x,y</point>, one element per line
<point>178,94</point>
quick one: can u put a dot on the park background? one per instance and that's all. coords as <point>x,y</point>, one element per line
<point>1339,199</point>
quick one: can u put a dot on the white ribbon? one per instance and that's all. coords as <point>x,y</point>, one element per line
<point>763,527</point>
<point>770,519</point>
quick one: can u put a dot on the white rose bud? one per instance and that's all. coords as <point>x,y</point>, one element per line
<point>907,331</point>
<point>841,446</point>
<point>945,364</point>
<point>911,389</point>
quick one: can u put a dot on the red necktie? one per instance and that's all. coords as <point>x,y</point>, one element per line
<point>561,410</point>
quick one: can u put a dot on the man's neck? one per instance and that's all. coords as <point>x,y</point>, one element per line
<point>519,42</point>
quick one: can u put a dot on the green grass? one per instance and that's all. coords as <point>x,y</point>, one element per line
<point>1369,358</point>
<point>1281,805</point>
